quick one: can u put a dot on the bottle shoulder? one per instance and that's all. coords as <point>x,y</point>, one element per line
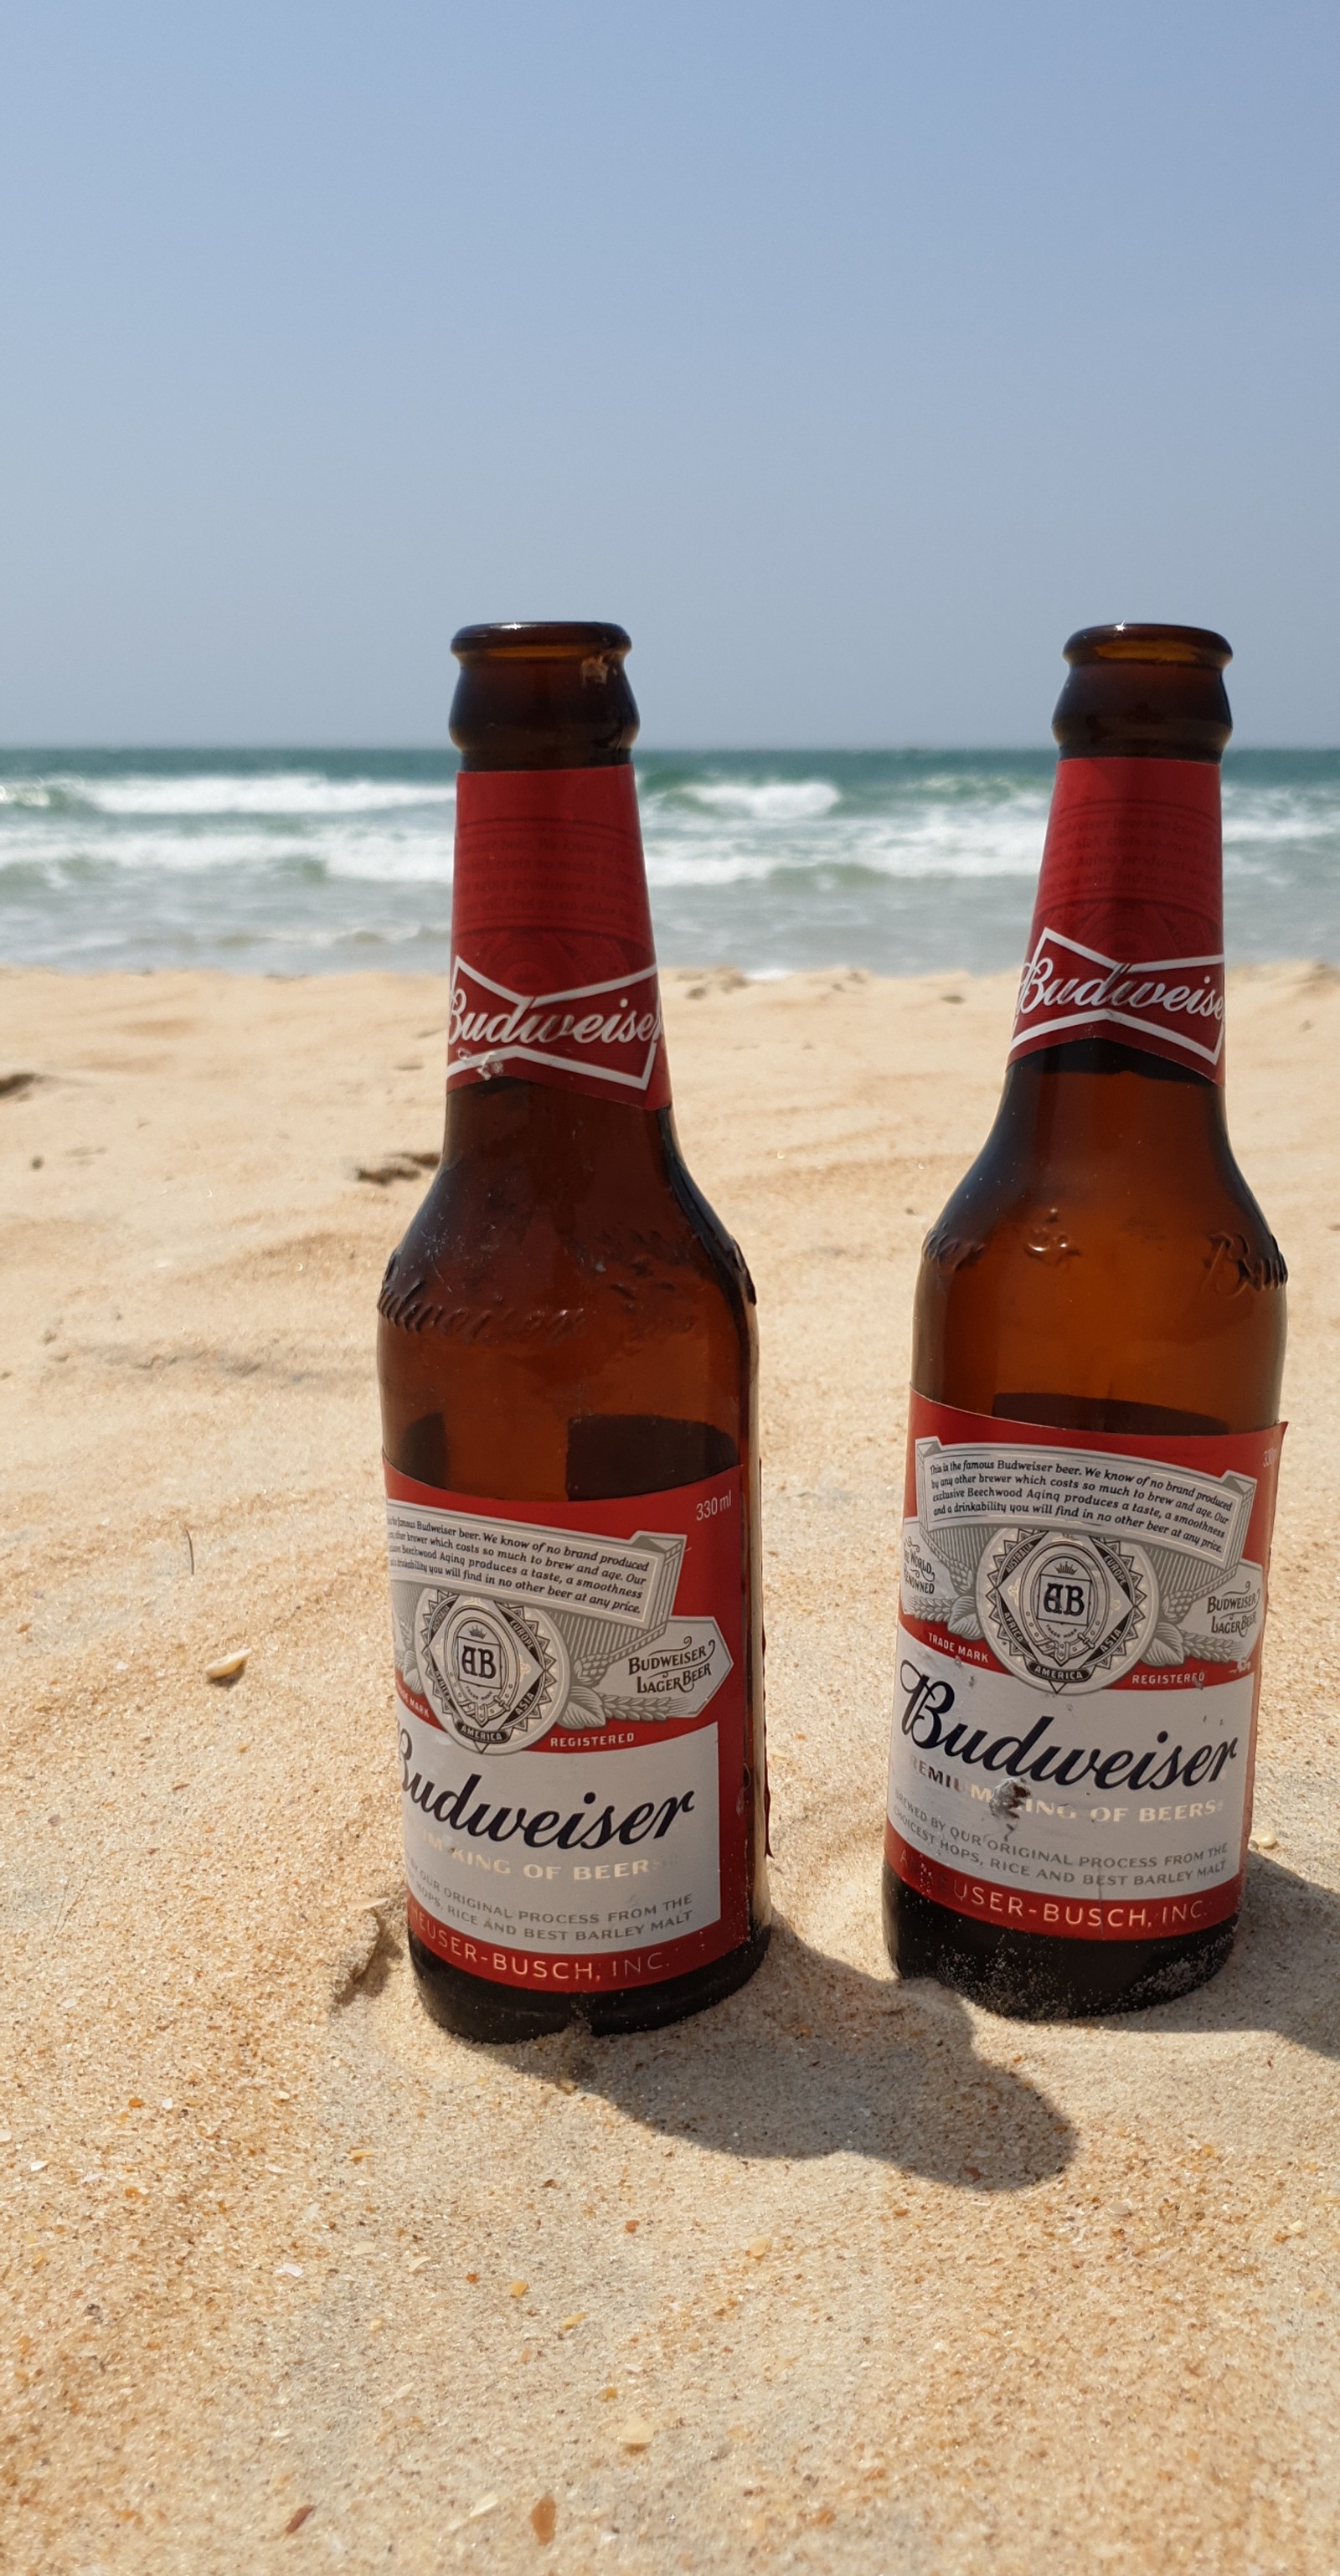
<point>542,1302</point>
<point>1126,1265</point>
<point>1149,1161</point>
<point>606,1239</point>
<point>1147,1207</point>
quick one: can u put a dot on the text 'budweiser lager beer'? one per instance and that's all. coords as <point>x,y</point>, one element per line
<point>1093,1442</point>
<point>567,1359</point>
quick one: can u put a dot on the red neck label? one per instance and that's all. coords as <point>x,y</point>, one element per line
<point>553,970</point>
<point>1128,933</point>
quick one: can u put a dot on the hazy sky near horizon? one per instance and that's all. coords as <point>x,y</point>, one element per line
<point>850,355</point>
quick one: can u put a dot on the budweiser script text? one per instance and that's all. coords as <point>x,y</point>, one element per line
<point>539,1026</point>
<point>926,1717</point>
<point>580,1831</point>
<point>1119,989</point>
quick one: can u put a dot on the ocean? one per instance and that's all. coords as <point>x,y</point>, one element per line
<point>317,862</point>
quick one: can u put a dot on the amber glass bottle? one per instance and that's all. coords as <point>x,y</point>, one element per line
<point>567,1357</point>
<point>1098,1346</point>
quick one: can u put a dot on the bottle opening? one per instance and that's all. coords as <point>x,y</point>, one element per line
<point>541,639</point>
<point>1144,692</point>
<point>543,693</point>
<point>1195,648</point>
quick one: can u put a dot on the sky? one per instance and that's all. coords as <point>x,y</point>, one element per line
<point>850,355</point>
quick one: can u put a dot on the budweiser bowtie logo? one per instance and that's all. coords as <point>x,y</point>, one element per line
<point>609,1032</point>
<point>1174,1004</point>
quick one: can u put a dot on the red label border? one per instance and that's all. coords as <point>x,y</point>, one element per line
<point>1065,1918</point>
<point>592,1972</point>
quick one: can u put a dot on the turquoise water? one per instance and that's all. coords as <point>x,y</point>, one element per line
<point>302,862</point>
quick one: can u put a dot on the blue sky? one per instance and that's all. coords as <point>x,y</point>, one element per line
<point>850,355</point>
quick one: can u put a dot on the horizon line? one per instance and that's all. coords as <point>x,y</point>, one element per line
<point>644,751</point>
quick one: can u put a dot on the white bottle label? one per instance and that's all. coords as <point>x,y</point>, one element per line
<point>570,1684</point>
<point>1078,1670</point>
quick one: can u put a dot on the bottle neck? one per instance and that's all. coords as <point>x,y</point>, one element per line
<point>553,973</point>
<point>558,1144</point>
<point>1127,938</point>
<point>1079,1107</point>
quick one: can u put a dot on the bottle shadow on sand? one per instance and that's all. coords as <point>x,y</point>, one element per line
<point>815,2057</point>
<point>1280,1977</point>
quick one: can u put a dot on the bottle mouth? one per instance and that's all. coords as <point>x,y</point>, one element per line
<point>1195,648</point>
<point>541,639</point>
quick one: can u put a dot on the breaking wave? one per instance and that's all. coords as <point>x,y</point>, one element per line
<point>304,861</point>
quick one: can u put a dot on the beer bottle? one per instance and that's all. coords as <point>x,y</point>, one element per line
<point>567,1359</point>
<point>1093,1442</point>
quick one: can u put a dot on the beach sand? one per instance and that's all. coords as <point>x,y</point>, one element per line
<point>843,2276</point>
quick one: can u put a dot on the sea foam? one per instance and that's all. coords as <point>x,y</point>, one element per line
<point>306,861</point>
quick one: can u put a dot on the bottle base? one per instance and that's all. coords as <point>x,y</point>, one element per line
<point>1032,1976</point>
<point>474,2008</point>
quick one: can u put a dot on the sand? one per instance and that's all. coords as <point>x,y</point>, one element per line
<point>844,2276</point>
